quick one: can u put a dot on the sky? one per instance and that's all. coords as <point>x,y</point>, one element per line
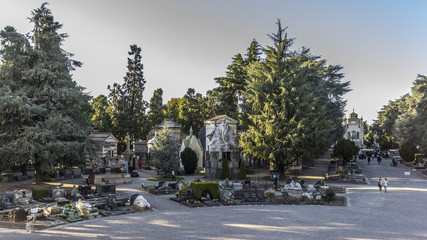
<point>187,43</point>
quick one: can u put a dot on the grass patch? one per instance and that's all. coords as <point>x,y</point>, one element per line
<point>164,179</point>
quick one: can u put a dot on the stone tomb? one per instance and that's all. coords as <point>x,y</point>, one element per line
<point>221,145</point>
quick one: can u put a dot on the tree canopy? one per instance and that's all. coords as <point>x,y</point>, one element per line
<point>45,115</point>
<point>164,153</point>
<point>296,103</point>
<point>127,103</point>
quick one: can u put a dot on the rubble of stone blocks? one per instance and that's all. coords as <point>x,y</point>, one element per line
<point>88,211</point>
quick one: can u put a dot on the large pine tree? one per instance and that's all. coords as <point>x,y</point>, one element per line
<point>45,117</point>
<point>288,97</point>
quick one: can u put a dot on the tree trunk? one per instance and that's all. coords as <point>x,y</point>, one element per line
<point>39,177</point>
<point>24,169</point>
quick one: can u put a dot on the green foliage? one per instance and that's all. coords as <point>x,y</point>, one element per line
<point>407,151</point>
<point>101,118</point>
<point>156,112</point>
<point>225,172</point>
<point>329,195</point>
<point>191,111</point>
<point>346,149</point>
<point>45,115</point>
<point>40,192</point>
<point>418,157</point>
<point>164,179</point>
<point>228,97</point>
<point>3,181</point>
<point>164,153</point>
<point>198,188</point>
<point>127,103</point>
<point>47,172</point>
<point>295,102</point>
<point>243,171</point>
<point>189,160</point>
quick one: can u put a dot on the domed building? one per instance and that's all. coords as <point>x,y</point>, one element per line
<point>353,129</point>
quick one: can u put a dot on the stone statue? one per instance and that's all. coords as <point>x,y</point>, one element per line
<point>222,138</point>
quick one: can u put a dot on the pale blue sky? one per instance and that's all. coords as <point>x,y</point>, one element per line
<point>186,44</point>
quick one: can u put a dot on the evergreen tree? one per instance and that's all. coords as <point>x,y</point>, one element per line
<point>410,126</point>
<point>189,160</point>
<point>156,112</point>
<point>101,118</point>
<point>346,149</point>
<point>126,100</point>
<point>172,109</point>
<point>164,153</point>
<point>288,94</point>
<point>225,172</point>
<point>231,87</point>
<point>191,111</point>
<point>45,116</point>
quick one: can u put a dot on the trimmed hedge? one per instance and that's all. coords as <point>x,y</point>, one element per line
<point>39,192</point>
<point>198,188</point>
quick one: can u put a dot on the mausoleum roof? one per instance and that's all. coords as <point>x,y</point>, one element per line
<point>102,136</point>
<point>219,117</point>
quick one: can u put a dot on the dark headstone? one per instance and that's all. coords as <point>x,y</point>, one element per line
<point>17,215</point>
<point>121,200</point>
<point>85,190</point>
<point>105,189</point>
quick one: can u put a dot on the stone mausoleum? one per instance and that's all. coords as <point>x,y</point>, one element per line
<point>221,145</point>
<point>353,129</point>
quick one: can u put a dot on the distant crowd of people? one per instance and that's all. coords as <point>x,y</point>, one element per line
<point>379,156</point>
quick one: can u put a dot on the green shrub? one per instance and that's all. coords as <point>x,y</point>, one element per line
<point>198,188</point>
<point>329,195</point>
<point>48,172</point>
<point>407,151</point>
<point>225,173</point>
<point>189,160</point>
<point>39,192</point>
<point>243,171</point>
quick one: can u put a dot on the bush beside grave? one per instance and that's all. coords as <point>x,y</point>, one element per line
<point>40,192</point>
<point>198,188</point>
<point>243,171</point>
<point>329,195</point>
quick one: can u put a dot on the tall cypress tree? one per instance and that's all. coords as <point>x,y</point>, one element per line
<point>126,100</point>
<point>55,122</point>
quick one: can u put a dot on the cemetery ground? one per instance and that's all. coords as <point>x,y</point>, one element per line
<point>397,214</point>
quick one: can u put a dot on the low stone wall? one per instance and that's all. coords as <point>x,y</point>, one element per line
<point>117,178</point>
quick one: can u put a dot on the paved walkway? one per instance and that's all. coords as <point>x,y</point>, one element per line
<point>398,214</point>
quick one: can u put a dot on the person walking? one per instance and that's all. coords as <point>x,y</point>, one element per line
<point>369,160</point>
<point>385,184</point>
<point>380,184</point>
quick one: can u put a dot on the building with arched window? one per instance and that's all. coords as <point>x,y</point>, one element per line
<point>353,129</point>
